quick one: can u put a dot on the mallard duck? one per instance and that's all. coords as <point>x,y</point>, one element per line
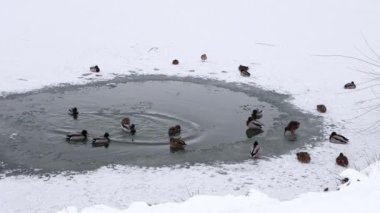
<point>321,108</point>
<point>74,112</point>
<point>177,143</point>
<point>255,150</point>
<point>342,160</point>
<point>257,114</point>
<point>102,141</point>
<point>350,85</point>
<point>292,127</point>
<point>174,131</point>
<point>127,127</point>
<point>303,157</point>
<point>336,138</point>
<point>95,69</point>
<point>204,57</point>
<point>253,124</point>
<point>76,137</point>
<point>244,71</point>
<point>175,62</point>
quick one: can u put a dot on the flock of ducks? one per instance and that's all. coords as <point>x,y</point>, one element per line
<point>252,123</point>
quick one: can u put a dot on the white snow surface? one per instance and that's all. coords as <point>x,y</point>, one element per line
<point>358,195</point>
<point>46,43</point>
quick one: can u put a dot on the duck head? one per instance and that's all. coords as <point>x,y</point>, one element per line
<point>332,135</point>
<point>255,144</point>
<point>106,135</point>
<point>84,133</point>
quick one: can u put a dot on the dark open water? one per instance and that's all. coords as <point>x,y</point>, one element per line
<point>212,115</point>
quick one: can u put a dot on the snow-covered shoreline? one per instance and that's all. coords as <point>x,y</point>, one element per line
<point>46,44</point>
<point>358,195</point>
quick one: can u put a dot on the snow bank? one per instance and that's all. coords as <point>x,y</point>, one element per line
<point>360,194</point>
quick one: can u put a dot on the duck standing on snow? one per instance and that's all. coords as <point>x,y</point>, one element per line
<point>77,137</point>
<point>257,114</point>
<point>342,160</point>
<point>253,124</point>
<point>175,62</point>
<point>244,71</point>
<point>127,127</point>
<point>303,157</point>
<point>255,150</point>
<point>95,69</point>
<point>321,108</point>
<point>101,141</point>
<point>203,57</point>
<point>74,112</point>
<point>292,127</point>
<point>350,85</point>
<point>336,138</point>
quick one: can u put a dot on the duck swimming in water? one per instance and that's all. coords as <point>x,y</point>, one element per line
<point>292,127</point>
<point>177,143</point>
<point>127,127</point>
<point>101,141</point>
<point>342,160</point>
<point>174,131</point>
<point>253,124</point>
<point>257,114</point>
<point>336,138</point>
<point>74,112</point>
<point>77,137</point>
<point>255,150</point>
<point>350,85</point>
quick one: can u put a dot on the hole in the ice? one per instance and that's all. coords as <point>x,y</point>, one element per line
<point>212,115</point>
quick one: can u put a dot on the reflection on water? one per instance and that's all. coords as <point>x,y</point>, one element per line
<point>253,132</point>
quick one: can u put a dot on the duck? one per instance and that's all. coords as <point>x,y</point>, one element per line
<point>257,114</point>
<point>292,127</point>
<point>244,71</point>
<point>76,137</point>
<point>127,127</point>
<point>175,62</point>
<point>95,69</point>
<point>321,108</point>
<point>303,157</point>
<point>350,85</point>
<point>342,160</point>
<point>203,57</point>
<point>253,124</point>
<point>101,141</point>
<point>255,150</point>
<point>336,138</point>
<point>177,143</point>
<point>174,131</point>
<point>74,112</point>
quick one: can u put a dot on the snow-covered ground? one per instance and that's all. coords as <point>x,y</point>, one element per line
<point>360,194</point>
<point>45,43</point>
